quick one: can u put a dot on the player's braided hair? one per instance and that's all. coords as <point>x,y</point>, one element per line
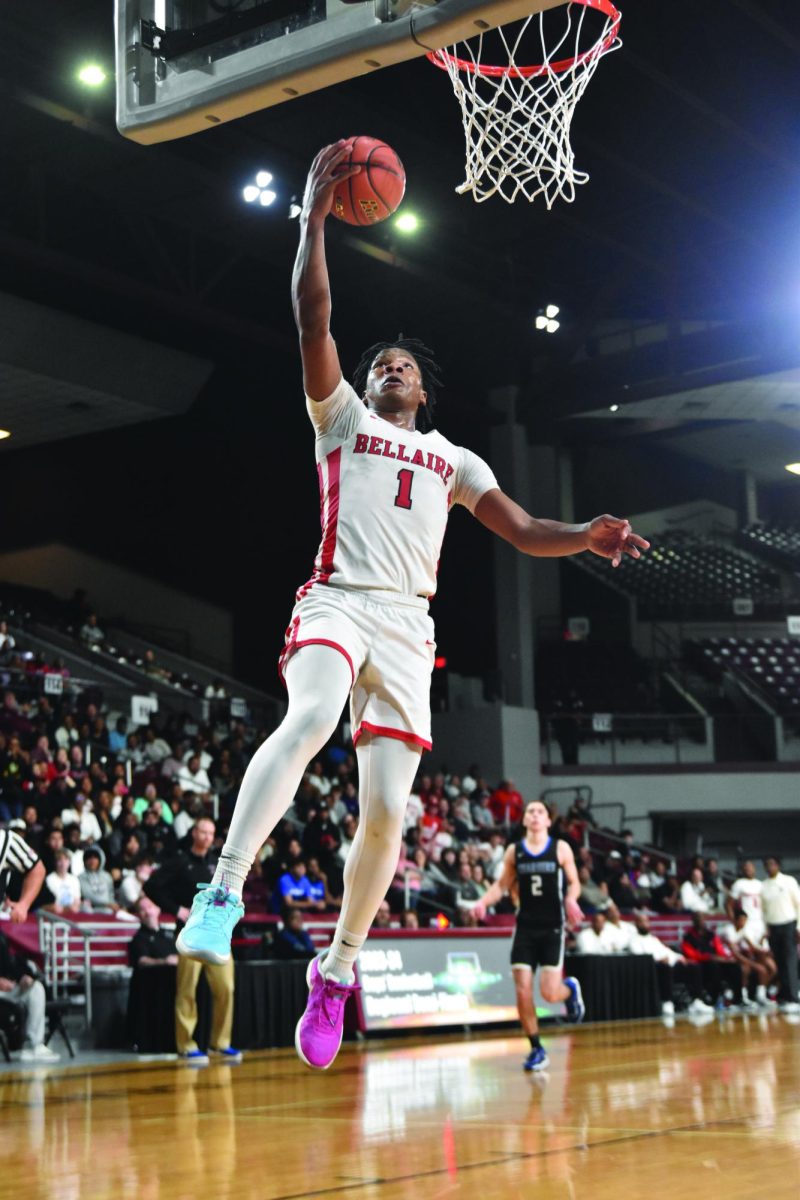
<point>429,370</point>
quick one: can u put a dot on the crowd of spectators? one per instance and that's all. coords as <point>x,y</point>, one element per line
<point>106,804</point>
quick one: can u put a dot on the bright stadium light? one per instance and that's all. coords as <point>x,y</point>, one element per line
<point>551,311</point>
<point>294,211</point>
<point>794,468</point>
<point>4,433</point>
<point>552,326</point>
<point>407,222</point>
<point>613,408</point>
<point>546,319</point>
<point>260,192</point>
<point>541,322</point>
<point>92,75</point>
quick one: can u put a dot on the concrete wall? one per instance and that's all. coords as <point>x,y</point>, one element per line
<point>734,792</point>
<point>117,592</point>
<point>503,740</point>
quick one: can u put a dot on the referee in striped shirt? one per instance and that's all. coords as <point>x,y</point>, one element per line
<point>17,856</point>
<point>16,985</point>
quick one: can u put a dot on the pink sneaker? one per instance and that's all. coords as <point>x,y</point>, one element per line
<point>318,1035</point>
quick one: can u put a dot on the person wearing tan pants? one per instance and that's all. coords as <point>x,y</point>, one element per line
<point>172,887</point>
<point>220,981</point>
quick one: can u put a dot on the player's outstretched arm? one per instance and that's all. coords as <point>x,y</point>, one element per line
<point>501,886</point>
<point>606,536</point>
<point>311,293</point>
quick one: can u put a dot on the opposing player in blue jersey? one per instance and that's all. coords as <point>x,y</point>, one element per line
<point>540,871</point>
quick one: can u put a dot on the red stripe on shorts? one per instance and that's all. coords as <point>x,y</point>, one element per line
<point>402,735</point>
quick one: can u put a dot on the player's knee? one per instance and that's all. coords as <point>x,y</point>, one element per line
<point>311,722</point>
<point>551,989</point>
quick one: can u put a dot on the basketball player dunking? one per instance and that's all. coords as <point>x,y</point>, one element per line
<point>360,626</point>
<point>537,868</point>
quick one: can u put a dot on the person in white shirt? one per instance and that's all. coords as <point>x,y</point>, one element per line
<point>744,936</point>
<point>695,896</point>
<point>623,930</point>
<point>81,815</point>
<point>600,938</point>
<point>194,778</point>
<point>745,894</point>
<point>780,904</point>
<point>63,887</point>
<point>671,968</point>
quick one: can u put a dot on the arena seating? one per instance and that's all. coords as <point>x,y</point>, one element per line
<point>778,544</point>
<point>772,665</point>
<point>684,576</point>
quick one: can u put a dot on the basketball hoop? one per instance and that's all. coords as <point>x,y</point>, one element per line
<point>517,118</point>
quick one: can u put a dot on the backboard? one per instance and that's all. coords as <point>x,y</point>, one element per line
<point>188,65</point>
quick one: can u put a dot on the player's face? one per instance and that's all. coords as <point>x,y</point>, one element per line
<point>394,383</point>
<point>536,819</point>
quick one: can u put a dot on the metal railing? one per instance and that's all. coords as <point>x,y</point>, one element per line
<point>75,951</point>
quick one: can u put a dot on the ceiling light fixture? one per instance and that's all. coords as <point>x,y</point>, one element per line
<point>260,191</point>
<point>4,433</point>
<point>613,408</point>
<point>794,468</point>
<point>407,222</point>
<point>546,318</point>
<point>92,75</point>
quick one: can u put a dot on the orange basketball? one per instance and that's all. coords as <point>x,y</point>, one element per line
<point>375,192</point>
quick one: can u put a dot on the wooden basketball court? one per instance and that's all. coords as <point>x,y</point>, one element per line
<point>707,1111</point>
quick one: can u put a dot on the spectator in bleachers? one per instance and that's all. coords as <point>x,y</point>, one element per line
<point>715,884</point>
<point>161,841</point>
<point>66,734</point>
<point>318,882</point>
<point>295,889</point>
<point>349,826</point>
<point>131,886</point>
<point>63,893</point>
<point>594,896</point>
<point>293,941</point>
<point>193,778</point>
<point>173,764</point>
<point>154,747</point>
<point>623,930</point>
<point>77,769</point>
<point>701,945</point>
<point>665,894</point>
<point>599,938</point>
<point>467,891</point>
<point>33,832</point>
<point>90,632</point>
<point>186,810</point>
<point>409,919</point>
<point>671,968</point>
<point>383,917</point>
<point>80,813</point>
<point>96,884</point>
<point>118,736</point>
<point>73,844</point>
<point>506,803</point>
<point>321,836</point>
<point>15,775</point>
<point>695,896</point>
<point>132,847</point>
<point>151,946</point>
<point>318,779</point>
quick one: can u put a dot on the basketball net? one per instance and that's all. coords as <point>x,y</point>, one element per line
<point>517,118</point>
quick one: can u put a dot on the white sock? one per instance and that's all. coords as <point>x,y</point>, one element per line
<point>232,869</point>
<point>338,962</point>
<point>761,992</point>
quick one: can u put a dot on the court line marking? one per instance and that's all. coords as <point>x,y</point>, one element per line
<point>522,1156</point>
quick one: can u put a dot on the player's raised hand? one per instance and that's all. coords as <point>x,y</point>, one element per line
<point>611,537</point>
<point>326,171</point>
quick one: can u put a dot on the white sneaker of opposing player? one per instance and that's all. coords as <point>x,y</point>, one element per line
<point>39,1054</point>
<point>699,1008</point>
<point>668,1009</point>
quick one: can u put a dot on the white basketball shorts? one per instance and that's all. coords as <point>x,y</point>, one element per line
<point>388,641</point>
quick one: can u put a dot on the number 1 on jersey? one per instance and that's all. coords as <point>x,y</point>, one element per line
<point>403,498</point>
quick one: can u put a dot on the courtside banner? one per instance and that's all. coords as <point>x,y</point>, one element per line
<point>427,979</point>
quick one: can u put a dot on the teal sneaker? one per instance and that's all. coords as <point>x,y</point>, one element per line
<point>216,912</point>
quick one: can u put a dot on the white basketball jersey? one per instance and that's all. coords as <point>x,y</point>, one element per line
<point>385,495</point>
